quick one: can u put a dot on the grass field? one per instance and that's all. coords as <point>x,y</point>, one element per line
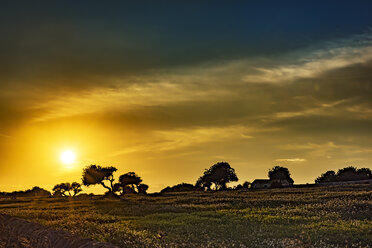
<point>308,217</point>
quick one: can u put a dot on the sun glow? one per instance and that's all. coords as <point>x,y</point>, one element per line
<point>68,157</point>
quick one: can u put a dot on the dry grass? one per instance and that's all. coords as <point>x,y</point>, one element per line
<point>15,232</point>
<point>309,217</point>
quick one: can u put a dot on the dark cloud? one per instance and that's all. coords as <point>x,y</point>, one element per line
<point>77,45</point>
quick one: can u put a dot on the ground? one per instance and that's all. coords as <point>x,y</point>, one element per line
<point>297,217</point>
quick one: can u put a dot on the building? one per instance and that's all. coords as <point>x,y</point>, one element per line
<point>261,184</point>
<point>279,183</point>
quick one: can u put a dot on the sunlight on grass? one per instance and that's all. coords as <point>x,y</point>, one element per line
<point>321,217</point>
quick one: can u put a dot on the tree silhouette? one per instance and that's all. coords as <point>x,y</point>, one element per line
<point>205,181</point>
<point>279,173</point>
<point>142,188</point>
<point>182,187</point>
<point>95,174</point>
<point>349,173</point>
<point>128,183</point>
<point>219,174</point>
<point>245,185</point>
<point>329,176</point>
<point>365,173</point>
<point>37,192</point>
<point>76,188</point>
<point>130,179</point>
<point>64,188</point>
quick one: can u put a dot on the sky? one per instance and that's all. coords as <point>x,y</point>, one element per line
<point>168,88</point>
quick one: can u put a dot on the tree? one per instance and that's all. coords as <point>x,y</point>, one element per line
<point>279,173</point>
<point>95,174</point>
<point>204,181</point>
<point>61,189</point>
<point>131,180</point>
<point>351,173</point>
<point>329,176</point>
<point>130,183</point>
<point>347,174</point>
<point>219,174</point>
<point>365,173</point>
<point>65,188</point>
<point>245,185</point>
<point>76,188</point>
<point>182,187</point>
<point>37,192</point>
<point>142,188</point>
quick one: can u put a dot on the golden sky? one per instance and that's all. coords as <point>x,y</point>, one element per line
<point>168,100</point>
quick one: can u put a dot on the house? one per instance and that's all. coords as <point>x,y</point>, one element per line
<point>267,183</point>
<point>261,184</point>
<point>279,183</point>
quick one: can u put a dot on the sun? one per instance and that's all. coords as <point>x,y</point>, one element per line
<point>68,157</point>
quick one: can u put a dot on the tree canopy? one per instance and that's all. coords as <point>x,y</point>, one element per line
<point>245,185</point>
<point>130,183</point>
<point>130,179</point>
<point>182,187</point>
<point>66,188</point>
<point>280,173</point>
<point>95,174</point>
<point>349,173</point>
<point>218,174</point>
<point>329,176</point>
<point>76,188</point>
<point>142,188</point>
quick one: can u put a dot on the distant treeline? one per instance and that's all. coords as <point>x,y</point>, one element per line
<point>215,178</point>
<point>182,187</point>
<point>34,192</point>
<point>346,174</point>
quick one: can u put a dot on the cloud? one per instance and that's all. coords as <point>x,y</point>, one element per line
<point>290,160</point>
<point>322,109</point>
<point>166,140</point>
<point>204,84</point>
<point>334,56</point>
<point>129,97</point>
<point>329,149</point>
<point>312,146</point>
<point>210,95</point>
<point>361,110</point>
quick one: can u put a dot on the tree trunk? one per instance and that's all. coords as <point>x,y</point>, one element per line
<point>112,186</point>
<point>223,186</point>
<point>106,187</point>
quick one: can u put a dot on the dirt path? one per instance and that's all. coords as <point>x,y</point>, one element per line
<point>15,232</point>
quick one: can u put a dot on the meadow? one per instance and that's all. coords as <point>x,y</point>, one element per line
<point>339,216</point>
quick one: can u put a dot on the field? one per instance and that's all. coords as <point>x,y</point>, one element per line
<point>298,217</point>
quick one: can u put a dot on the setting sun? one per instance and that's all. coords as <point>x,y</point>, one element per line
<point>68,157</point>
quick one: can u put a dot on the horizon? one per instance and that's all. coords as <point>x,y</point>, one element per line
<point>98,190</point>
<point>168,89</point>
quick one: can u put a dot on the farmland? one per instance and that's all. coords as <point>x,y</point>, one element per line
<point>295,217</point>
